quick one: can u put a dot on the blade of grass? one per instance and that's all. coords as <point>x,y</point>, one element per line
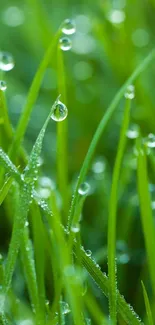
<point>31,98</point>
<point>112,216</point>
<point>5,188</point>
<point>146,211</point>
<point>143,65</point>
<point>62,152</point>
<point>147,305</point>
<point>9,166</point>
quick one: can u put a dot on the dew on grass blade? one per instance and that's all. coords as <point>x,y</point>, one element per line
<point>84,188</point>
<point>65,43</point>
<point>59,112</point>
<point>75,228</point>
<point>3,85</point>
<point>130,92</point>
<point>65,307</point>
<point>6,61</point>
<point>26,224</point>
<point>133,132</point>
<point>88,252</point>
<point>150,141</point>
<point>68,27</point>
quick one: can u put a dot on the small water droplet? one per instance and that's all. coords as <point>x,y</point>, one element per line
<point>130,92</point>
<point>3,85</point>
<point>65,307</point>
<point>68,27</point>
<point>26,224</point>
<point>98,166</point>
<point>75,228</point>
<point>133,132</point>
<point>88,252</point>
<point>65,43</point>
<point>60,112</point>
<point>84,188</point>
<point>150,141</point>
<point>6,61</point>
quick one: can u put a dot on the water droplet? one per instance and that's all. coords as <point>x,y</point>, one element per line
<point>130,92</point>
<point>84,189</point>
<point>60,112</point>
<point>88,252</point>
<point>150,141</point>
<point>133,132</point>
<point>75,228</point>
<point>68,27</point>
<point>65,43</point>
<point>26,224</point>
<point>3,85</point>
<point>6,61</point>
<point>98,166</point>
<point>47,182</point>
<point>44,193</point>
<point>65,307</point>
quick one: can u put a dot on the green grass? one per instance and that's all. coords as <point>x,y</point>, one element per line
<point>52,238</point>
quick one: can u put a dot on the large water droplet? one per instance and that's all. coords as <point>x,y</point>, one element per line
<point>6,61</point>
<point>65,307</point>
<point>150,141</point>
<point>68,27</point>
<point>75,228</point>
<point>133,132</point>
<point>3,85</point>
<point>65,43</point>
<point>60,112</point>
<point>130,92</point>
<point>84,189</point>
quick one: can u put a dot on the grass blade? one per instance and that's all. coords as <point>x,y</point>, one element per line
<point>143,65</point>
<point>9,166</point>
<point>112,216</point>
<point>146,211</point>
<point>147,305</point>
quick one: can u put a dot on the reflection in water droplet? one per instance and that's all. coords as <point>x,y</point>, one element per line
<point>65,43</point>
<point>150,141</point>
<point>3,85</point>
<point>59,112</point>
<point>130,92</point>
<point>6,61</point>
<point>88,252</point>
<point>133,132</point>
<point>68,27</point>
<point>116,16</point>
<point>84,189</point>
<point>65,307</point>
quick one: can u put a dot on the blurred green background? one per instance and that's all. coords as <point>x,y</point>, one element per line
<point>111,40</point>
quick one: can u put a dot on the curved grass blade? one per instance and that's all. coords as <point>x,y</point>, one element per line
<point>5,188</point>
<point>9,166</point>
<point>31,98</point>
<point>146,211</point>
<point>62,128</point>
<point>112,216</point>
<point>143,65</point>
<point>124,309</point>
<point>147,305</point>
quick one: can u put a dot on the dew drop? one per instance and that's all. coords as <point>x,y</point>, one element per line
<point>26,224</point>
<point>98,166</point>
<point>150,141</point>
<point>133,132</point>
<point>68,27</point>
<point>65,43</point>
<point>65,308</point>
<point>75,228</point>
<point>130,92</point>
<point>88,252</point>
<point>60,112</point>
<point>3,85</point>
<point>6,61</point>
<point>84,188</point>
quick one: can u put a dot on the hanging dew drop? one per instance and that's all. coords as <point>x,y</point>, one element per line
<point>65,43</point>
<point>68,27</point>
<point>59,112</point>
<point>130,92</point>
<point>150,141</point>
<point>84,189</point>
<point>6,61</point>
<point>3,85</point>
<point>133,132</point>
